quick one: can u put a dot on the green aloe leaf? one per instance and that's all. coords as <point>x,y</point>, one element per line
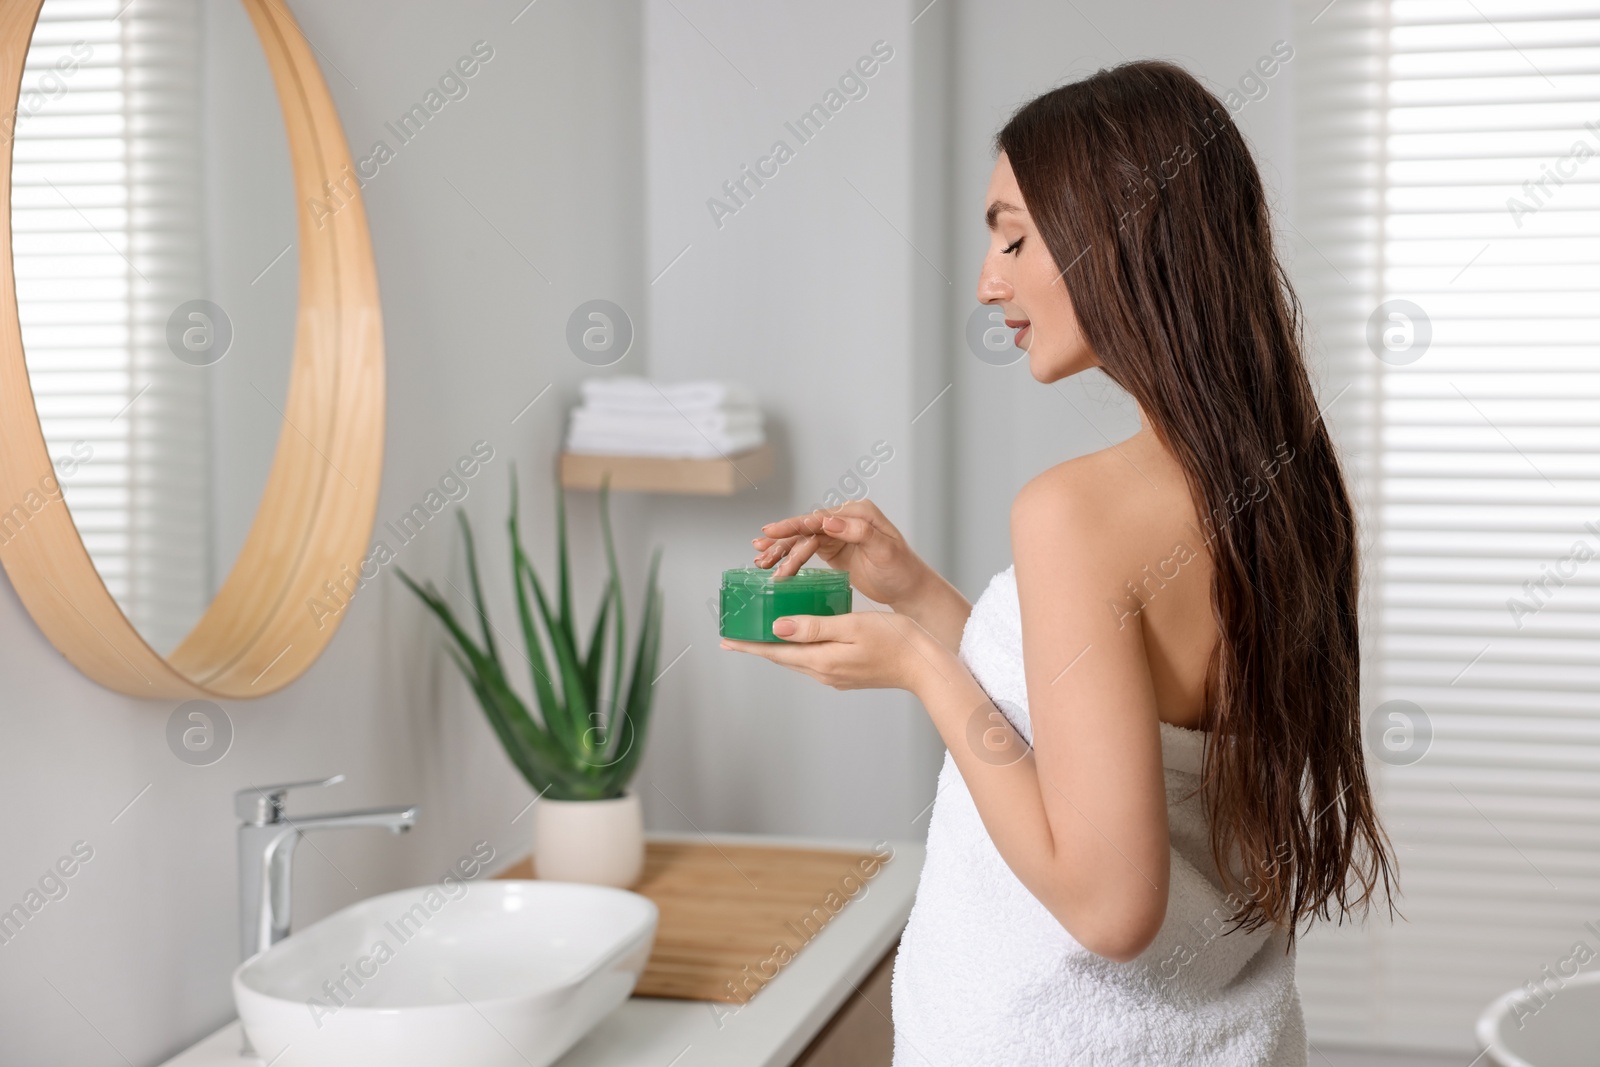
<point>616,583</point>
<point>527,744</point>
<point>579,712</point>
<point>537,763</point>
<point>567,751</point>
<point>563,562</point>
<point>551,707</point>
<point>641,692</point>
<point>480,661</point>
<point>477,588</point>
<point>594,659</point>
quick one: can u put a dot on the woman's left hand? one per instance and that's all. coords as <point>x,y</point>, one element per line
<point>861,650</point>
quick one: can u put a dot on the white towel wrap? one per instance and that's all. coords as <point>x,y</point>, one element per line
<point>986,975</point>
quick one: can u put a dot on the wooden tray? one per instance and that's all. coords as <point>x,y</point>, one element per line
<point>733,915</point>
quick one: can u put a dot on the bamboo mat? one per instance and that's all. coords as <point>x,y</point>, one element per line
<point>733,915</point>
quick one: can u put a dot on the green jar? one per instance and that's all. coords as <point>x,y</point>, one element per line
<point>752,599</point>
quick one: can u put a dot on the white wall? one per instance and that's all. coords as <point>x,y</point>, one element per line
<point>141,947</point>
<point>809,294</point>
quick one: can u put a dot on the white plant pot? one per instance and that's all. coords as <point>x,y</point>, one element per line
<point>600,842</point>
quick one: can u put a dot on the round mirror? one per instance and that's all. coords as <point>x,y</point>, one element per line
<point>153,240</point>
<point>191,375</point>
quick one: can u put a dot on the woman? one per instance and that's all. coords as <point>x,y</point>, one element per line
<point>1154,773</point>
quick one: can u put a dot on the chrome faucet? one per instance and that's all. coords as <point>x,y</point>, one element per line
<point>267,839</point>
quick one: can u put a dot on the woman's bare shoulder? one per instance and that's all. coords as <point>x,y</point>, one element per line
<point>1114,504</point>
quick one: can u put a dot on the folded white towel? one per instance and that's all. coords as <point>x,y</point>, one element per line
<point>636,417</point>
<point>986,975</point>
<point>666,425</point>
<point>689,445</point>
<point>640,394</point>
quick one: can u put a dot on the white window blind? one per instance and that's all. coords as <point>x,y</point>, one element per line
<point>1444,160</point>
<point>105,214</point>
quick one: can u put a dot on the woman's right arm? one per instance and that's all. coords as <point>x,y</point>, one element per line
<point>940,609</point>
<point>858,538</point>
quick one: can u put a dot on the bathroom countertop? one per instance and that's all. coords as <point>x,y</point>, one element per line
<point>769,1031</point>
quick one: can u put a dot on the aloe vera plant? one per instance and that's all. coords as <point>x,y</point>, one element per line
<point>586,742</point>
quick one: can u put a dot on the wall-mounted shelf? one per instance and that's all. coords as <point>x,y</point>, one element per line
<point>655,474</point>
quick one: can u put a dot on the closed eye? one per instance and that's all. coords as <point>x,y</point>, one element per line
<point>1012,247</point>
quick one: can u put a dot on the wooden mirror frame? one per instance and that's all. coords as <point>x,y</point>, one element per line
<point>315,516</point>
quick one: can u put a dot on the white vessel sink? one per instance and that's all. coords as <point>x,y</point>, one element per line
<point>507,973</point>
<point>1560,1030</point>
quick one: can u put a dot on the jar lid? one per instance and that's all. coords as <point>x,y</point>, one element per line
<point>817,578</point>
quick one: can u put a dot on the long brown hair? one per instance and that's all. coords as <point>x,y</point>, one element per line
<point>1146,194</point>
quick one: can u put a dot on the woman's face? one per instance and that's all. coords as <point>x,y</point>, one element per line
<point>1021,278</point>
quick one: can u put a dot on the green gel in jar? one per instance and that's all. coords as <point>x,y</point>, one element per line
<point>752,599</point>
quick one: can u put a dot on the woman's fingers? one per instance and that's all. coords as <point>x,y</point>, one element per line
<point>841,526</point>
<point>795,657</point>
<point>780,550</point>
<point>809,629</point>
<point>794,526</point>
<point>813,521</point>
<point>789,554</point>
<point>799,633</point>
<point>852,529</point>
<point>800,551</point>
<point>788,543</point>
<point>774,550</point>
